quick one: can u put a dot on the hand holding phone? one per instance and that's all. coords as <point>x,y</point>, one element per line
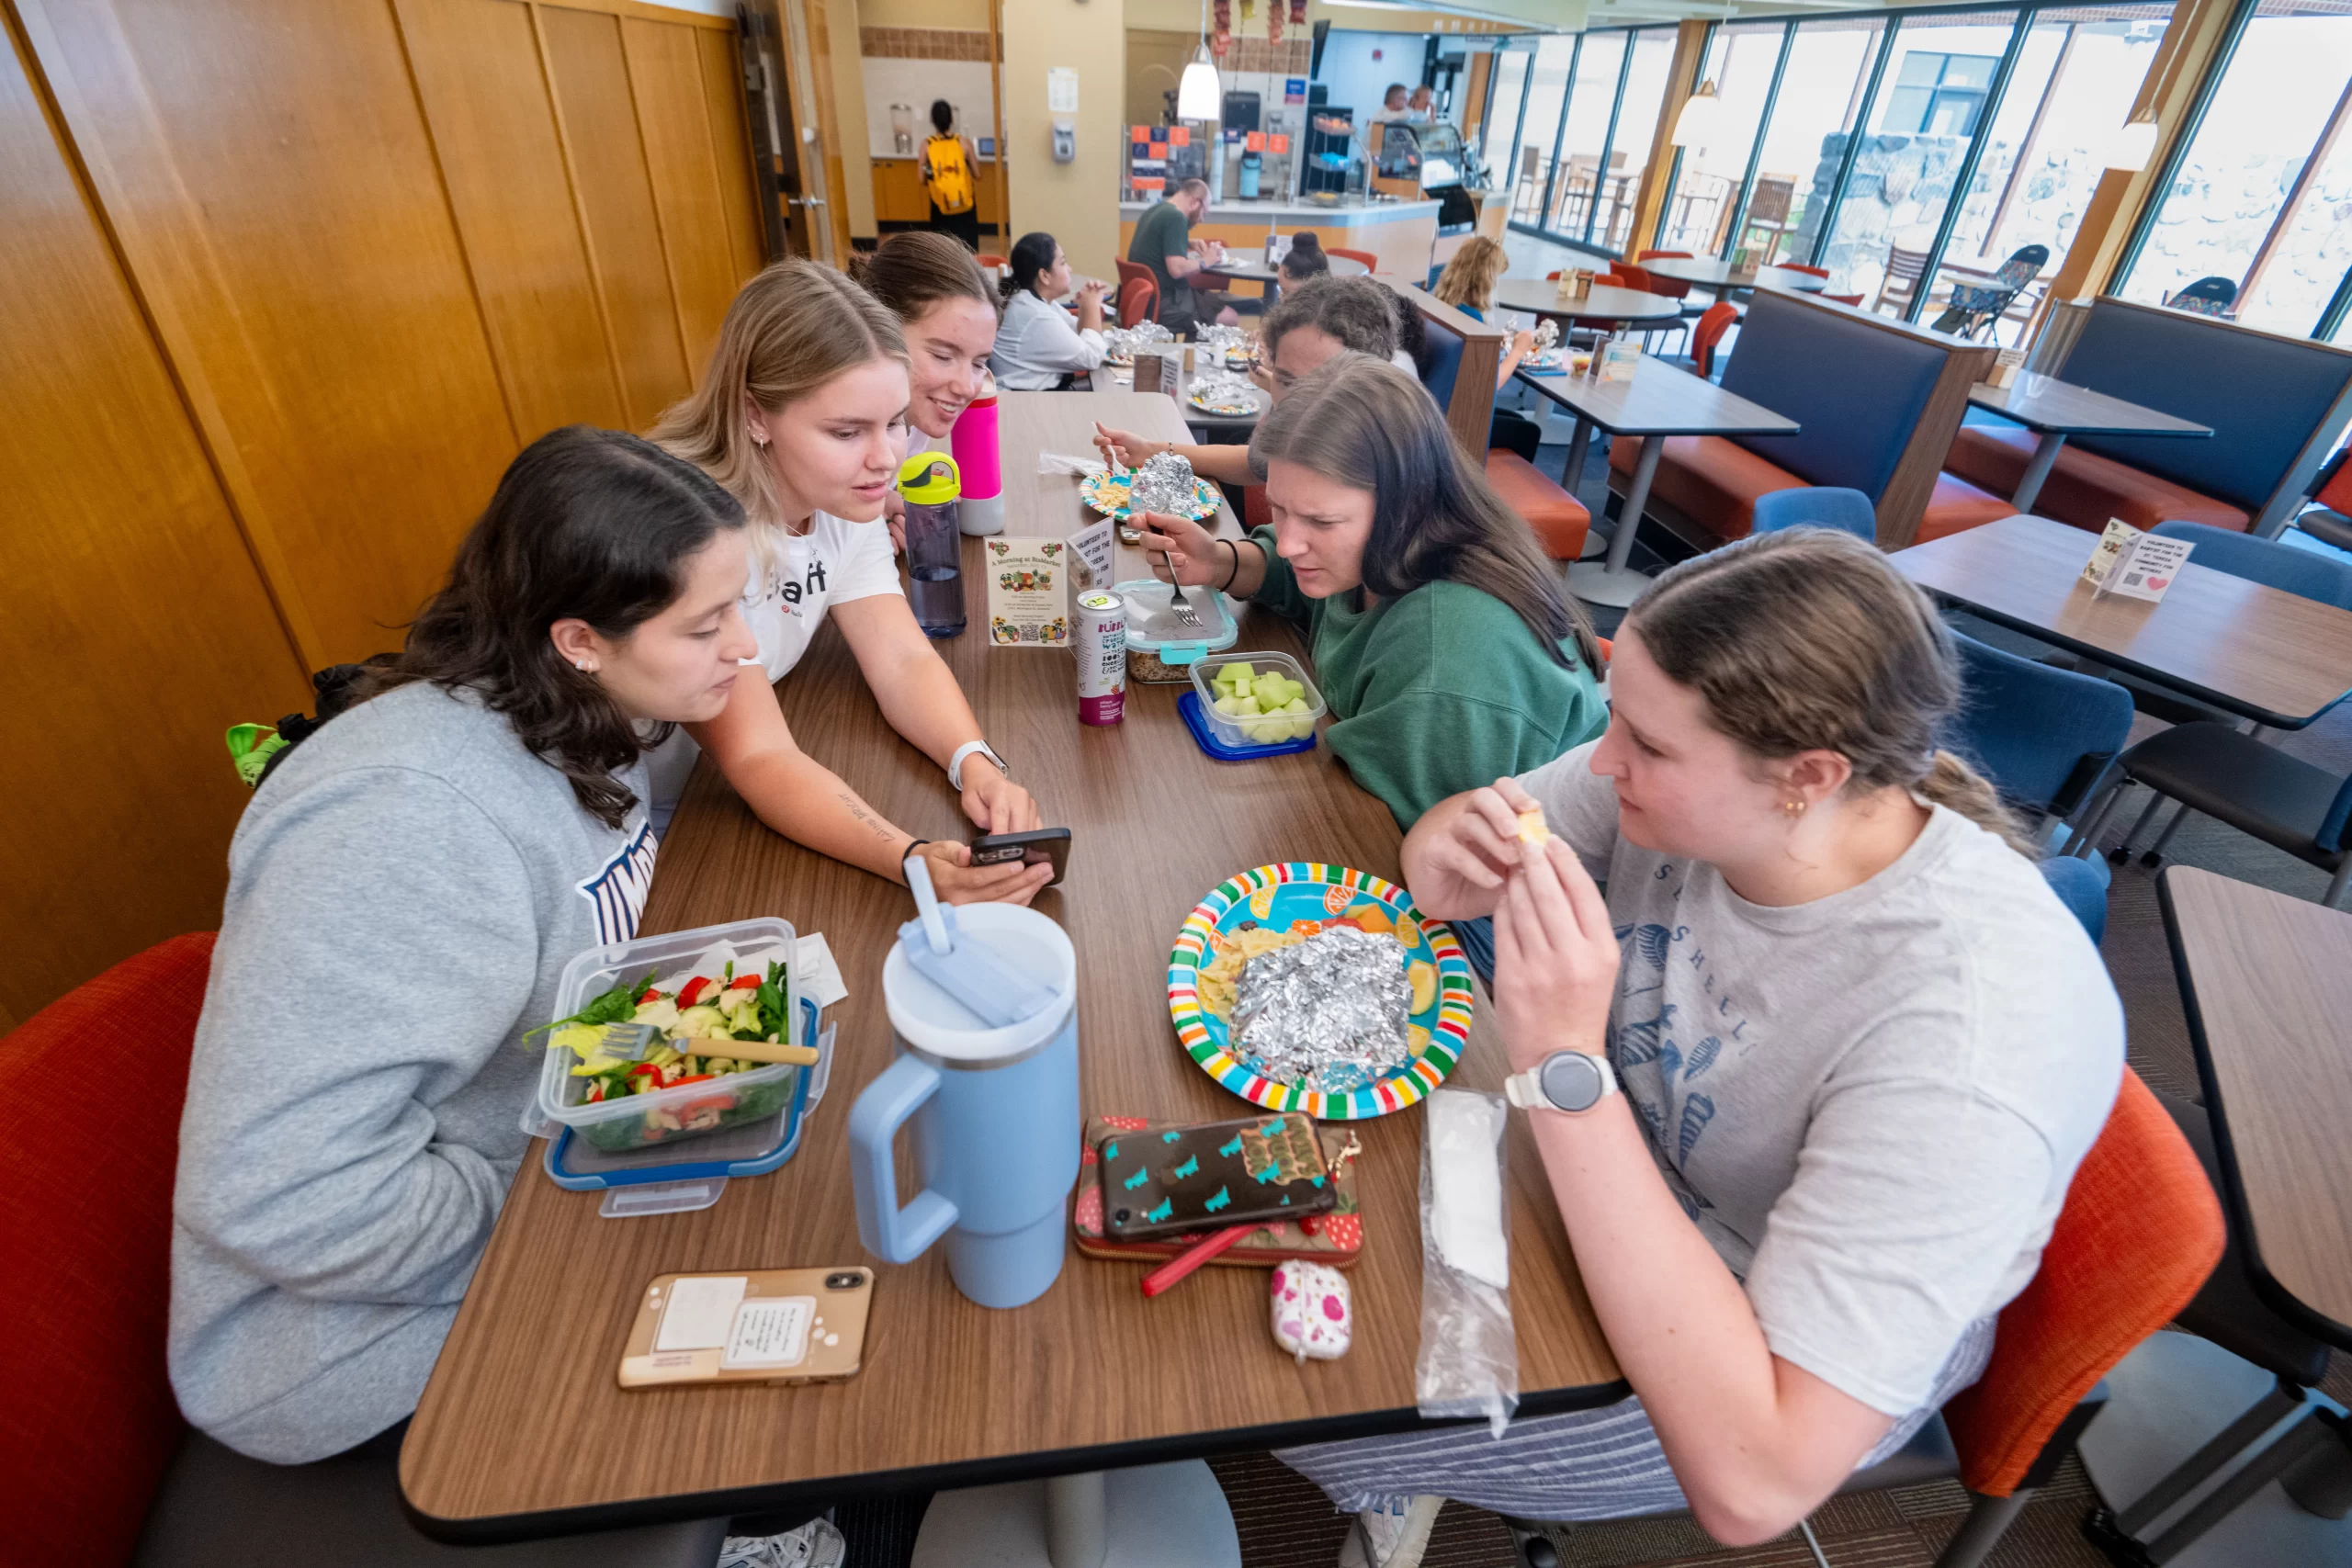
<point>1039,846</point>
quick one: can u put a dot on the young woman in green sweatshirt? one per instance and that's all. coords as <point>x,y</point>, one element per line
<point>1440,635</point>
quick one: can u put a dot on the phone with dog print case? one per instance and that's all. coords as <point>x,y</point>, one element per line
<point>1170,1179</point>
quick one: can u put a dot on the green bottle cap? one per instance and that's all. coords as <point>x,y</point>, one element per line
<point>929,478</point>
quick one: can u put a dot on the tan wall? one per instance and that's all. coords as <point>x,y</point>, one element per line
<point>842,20</point>
<point>330,271</point>
<point>1155,63</point>
<point>1077,201</point>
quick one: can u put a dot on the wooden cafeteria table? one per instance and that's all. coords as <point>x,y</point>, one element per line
<point>2266,980</point>
<point>524,1431</point>
<point>1603,302</point>
<point>2053,410</point>
<point>2255,651</point>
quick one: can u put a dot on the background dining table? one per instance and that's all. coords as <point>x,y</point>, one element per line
<point>1601,302</point>
<point>1722,279</point>
<point>524,1430</point>
<point>2053,410</point>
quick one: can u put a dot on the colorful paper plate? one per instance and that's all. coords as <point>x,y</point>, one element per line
<point>1280,896</point>
<point>1108,494</point>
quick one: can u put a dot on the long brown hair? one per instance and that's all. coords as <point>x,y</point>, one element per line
<point>1469,277</point>
<point>586,522</point>
<point>1363,422</point>
<point>792,329</point>
<point>914,269</point>
<point>1809,639</point>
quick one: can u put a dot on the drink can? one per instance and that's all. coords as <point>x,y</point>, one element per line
<point>1100,635</point>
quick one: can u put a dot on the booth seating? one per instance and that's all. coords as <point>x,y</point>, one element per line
<point>2277,406</point>
<point>1464,356</point>
<point>1880,401</point>
<point>105,1471</point>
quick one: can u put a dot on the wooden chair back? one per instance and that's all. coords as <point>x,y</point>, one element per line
<point>1463,378</point>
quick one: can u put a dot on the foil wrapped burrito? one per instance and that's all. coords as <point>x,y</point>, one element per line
<point>1163,484</point>
<point>1325,1013</point>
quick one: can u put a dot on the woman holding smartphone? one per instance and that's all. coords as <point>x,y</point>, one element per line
<point>800,418</point>
<point>1810,1080</point>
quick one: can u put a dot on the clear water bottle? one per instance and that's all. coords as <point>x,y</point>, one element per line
<point>931,488</point>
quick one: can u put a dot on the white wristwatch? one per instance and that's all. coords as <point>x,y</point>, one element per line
<point>1570,1081</point>
<point>955,762</point>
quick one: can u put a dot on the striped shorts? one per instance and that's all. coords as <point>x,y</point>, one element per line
<point>1588,1464</point>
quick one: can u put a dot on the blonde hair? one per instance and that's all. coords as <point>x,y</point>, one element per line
<point>1469,277</point>
<point>790,331</point>
<point>1809,639</point>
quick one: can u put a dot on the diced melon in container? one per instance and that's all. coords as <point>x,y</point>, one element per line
<point>1257,699</point>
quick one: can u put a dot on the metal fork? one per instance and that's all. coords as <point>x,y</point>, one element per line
<point>1185,614</point>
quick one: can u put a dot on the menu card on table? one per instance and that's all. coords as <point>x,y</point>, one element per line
<point>2136,565</point>
<point>1027,598</point>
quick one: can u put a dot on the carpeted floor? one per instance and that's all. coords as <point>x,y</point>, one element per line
<point>1285,1523</point>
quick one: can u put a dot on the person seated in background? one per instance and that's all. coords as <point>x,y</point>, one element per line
<point>1162,242</point>
<point>1303,263</point>
<point>1422,107</point>
<point>1812,1078</point>
<point>480,816</point>
<point>1041,345</point>
<point>800,418</point>
<point>1312,326</point>
<point>1468,285</point>
<point>1440,636</point>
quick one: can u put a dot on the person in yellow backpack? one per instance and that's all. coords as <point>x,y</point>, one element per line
<point>950,177</point>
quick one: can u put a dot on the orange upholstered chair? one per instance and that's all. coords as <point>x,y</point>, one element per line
<point>1713,323</point>
<point>2085,488</point>
<point>1672,287</point>
<point>1129,271</point>
<point>1808,271</point>
<point>1371,262</point>
<point>1955,504</point>
<point>1138,300</point>
<point>1559,519</point>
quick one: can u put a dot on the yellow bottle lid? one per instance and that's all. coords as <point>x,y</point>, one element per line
<point>928,478</point>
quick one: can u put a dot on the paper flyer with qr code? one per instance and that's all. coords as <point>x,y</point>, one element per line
<point>2134,565</point>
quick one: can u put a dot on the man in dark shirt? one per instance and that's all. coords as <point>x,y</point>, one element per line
<point>1163,243</point>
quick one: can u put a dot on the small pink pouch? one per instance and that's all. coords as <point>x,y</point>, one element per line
<point>1312,1317</point>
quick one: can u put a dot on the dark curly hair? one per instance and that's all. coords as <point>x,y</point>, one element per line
<point>1354,311</point>
<point>586,522</point>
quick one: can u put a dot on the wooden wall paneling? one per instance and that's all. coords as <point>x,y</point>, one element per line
<point>140,627</point>
<point>665,79</point>
<point>487,108</point>
<point>831,130</point>
<point>265,167</point>
<point>597,121</point>
<point>730,148</point>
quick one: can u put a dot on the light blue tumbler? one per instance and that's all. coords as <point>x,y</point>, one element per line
<point>995,1111</point>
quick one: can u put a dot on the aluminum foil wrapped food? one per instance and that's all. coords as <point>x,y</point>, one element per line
<point>1547,336</point>
<point>1326,1013</point>
<point>1163,484</point>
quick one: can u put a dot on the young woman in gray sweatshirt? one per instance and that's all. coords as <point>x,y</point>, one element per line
<point>404,890</point>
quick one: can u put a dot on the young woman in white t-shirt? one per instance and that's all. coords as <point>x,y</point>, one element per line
<point>801,417</point>
<point>1809,1081</point>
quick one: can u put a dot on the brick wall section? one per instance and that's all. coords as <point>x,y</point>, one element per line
<point>922,43</point>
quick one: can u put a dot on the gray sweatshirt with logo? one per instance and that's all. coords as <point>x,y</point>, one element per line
<point>404,892</point>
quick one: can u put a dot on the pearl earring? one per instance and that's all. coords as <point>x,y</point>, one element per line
<point>583,667</point>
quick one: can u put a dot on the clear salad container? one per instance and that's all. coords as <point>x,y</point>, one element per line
<point>1215,680</point>
<point>1160,649</point>
<point>667,962</point>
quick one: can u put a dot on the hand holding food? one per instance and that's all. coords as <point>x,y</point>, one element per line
<point>1556,957</point>
<point>1184,551</point>
<point>1459,872</point>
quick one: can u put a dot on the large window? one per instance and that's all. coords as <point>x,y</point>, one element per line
<point>1505,94</point>
<point>1804,138</point>
<point>1578,183</point>
<point>1634,128</point>
<point>2262,198</point>
<point>1531,163</point>
<point>1938,95</point>
<point>1740,60</point>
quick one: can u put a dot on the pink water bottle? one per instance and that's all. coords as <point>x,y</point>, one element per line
<point>973,444</point>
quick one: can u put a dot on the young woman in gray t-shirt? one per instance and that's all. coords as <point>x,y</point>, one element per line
<point>1858,1049</point>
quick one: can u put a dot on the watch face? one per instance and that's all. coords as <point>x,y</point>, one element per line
<point>1571,1080</point>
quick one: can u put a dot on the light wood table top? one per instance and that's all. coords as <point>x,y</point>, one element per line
<point>1660,399</point>
<point>1603,302</point>
<point>1715,273</point>
<point>2267,980</point>
<point>2253,650</point>
<point>2045,403</point>
<point>524,1429</point>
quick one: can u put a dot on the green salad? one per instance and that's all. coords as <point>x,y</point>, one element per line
<point>698,1023</point>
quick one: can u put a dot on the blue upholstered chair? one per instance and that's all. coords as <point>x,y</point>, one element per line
<point>1816,506</point>
<point>2045,738</point>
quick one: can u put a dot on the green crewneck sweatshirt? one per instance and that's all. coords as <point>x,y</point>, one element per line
<point>1437,692</point>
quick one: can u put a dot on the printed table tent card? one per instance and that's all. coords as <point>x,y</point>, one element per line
<point>1028,605</point>
<point>1093,551</point>
<point>2136,565</point>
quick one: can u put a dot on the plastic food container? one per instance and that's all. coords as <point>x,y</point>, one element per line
<point>642,1121</point>
<point>1160,649</point>
<point>1249,734</point>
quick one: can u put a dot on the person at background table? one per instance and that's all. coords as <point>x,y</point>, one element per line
<point>404,891</point>
<point>1303,263</point>
<point>1422,107</point>
<point>947,313</point>
<point>1041,345</point>
<point>1468,285</point>
<point>1162,242</point>
<point>950,169</point>
<point>1860,1044</point>
<point>799,418</point>
<point>1440,636</point>
<point>1313,325</point>
<point>1392,105</point>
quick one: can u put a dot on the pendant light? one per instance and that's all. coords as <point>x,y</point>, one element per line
<point>1197,95</point>
<point>1696,123</point>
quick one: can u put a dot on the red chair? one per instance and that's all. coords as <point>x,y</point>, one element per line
<point>1716,321</point>
<point>105,1470</point>
<point>1130,271</point>
<point>1842,298</point>
<point>1672,287</point>
<point>1808,271</point>
<point>1139,299</point>
<point>992,263</point>
<point>1371,262</point>
<point>1559,520</point>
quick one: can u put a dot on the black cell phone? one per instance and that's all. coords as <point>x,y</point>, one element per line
<point>1164,1180</point>
<point>1042,846</point>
